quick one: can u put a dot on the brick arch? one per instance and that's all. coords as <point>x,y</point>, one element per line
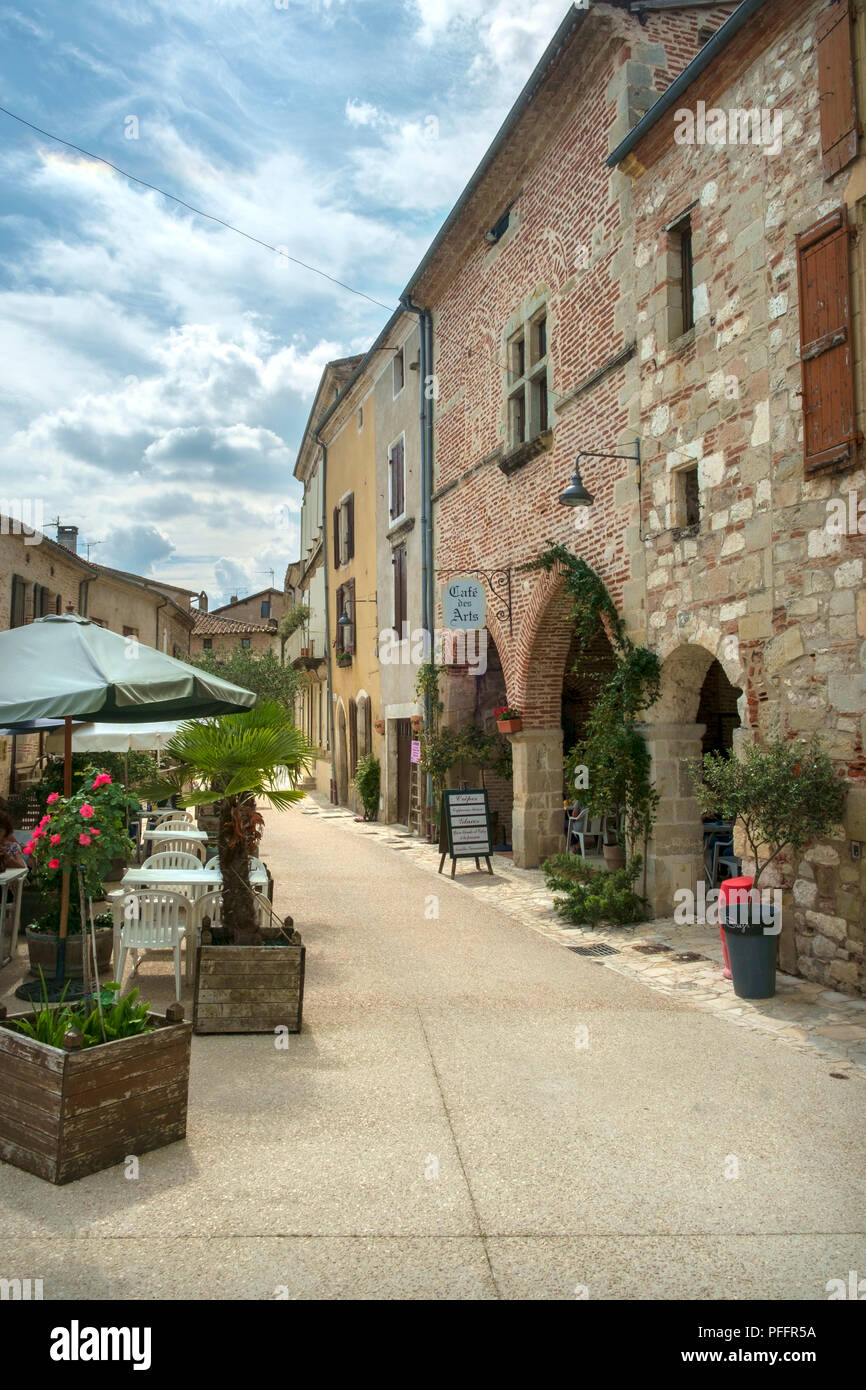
<point>540,653</point>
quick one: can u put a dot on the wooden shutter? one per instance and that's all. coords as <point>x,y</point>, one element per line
<point>350,606</point>
<point>16,611</point>
<point>398,491</point>
<point>353,738</point>
<point>836,92</point>
<point>350,525</point>
<point>337,560</point>
<point>823,265</point>
<point>400,590</point>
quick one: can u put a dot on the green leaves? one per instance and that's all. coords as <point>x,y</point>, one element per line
<point>123,1018</point>
<point>592,894</point>
<point>261,672</point>
<point>368,777</point>
<point>783,795</point>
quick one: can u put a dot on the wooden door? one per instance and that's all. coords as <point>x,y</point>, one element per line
<point>404,764</point>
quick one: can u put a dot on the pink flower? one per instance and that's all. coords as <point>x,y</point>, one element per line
<point>55,839</point>
<point>84,839</point>
<point>44,821</point>
<point>94,831</point>
<point>28,849</point>
<point>102,780</point>
<point>37,835</point>
<point>86,810</point>
<point>55,796</point>
<point>54,863</point>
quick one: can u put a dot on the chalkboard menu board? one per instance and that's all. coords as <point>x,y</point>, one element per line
<point>466,817</point>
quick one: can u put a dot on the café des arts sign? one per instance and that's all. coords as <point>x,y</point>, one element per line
<point>464,604</point>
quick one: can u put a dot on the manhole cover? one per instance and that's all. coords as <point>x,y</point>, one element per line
<point>600,949</point>
<point>688,955</point>
<point>650,948</point>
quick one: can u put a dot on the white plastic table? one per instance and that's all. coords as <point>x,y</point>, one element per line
<point>180,878</point>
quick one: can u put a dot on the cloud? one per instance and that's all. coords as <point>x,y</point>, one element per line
<point>362,113</point>
<point>137,549</point>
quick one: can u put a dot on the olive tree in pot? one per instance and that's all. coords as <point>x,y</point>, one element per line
<point>782,795</point>
<point>236,760</point>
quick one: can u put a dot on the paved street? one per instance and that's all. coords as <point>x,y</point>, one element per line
<point>472,1111</point>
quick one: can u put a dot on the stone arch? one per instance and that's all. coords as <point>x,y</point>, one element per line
<point>535,683</point>
<point>675,859</point>
<point>365,724</point>
<point>341,755</point>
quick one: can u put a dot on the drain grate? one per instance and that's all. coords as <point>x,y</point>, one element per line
<point>688,956</point>
<point>650,948</point>
<point>599,949</point>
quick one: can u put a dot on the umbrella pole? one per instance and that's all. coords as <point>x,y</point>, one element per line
<point>64,891</point>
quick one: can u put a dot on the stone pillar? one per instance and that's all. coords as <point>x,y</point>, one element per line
<point>537,825</point>
<point>676,850</point>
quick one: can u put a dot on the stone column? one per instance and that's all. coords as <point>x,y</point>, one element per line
<point>537,825</point>
<point>676,850</point>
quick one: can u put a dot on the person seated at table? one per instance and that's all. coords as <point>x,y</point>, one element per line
<point>10,850</point>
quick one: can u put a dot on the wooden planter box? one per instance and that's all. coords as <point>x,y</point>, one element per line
<point>248,989</point>
<point>66,1114</point>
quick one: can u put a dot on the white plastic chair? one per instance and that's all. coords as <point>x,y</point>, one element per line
<point>582,829</point>
<point>210,905</point>
<point>150,921</point>
<point>185,817</point>
<point>213,865</point>
<point>188,847</point>
<point>172,859</point>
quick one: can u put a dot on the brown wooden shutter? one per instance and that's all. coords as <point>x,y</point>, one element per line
<point>353,738</point>
<point>350,525</point>
<point>398,490</point>
<point>350,605</point>
<point>823,264</point>
<point>836,91</point>
<point>337,560</point>
<point>16,611</point>
<point>340,606</point>
<point>400,590</point>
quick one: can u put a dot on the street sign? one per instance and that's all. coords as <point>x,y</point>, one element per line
<point>464,604</point>
<point>466,817</point>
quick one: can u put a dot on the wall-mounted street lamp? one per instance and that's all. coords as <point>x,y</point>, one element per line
<point>344,620</point>
<point>576,494</point>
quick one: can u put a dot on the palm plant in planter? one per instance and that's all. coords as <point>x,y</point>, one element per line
<point>236,760</point>
<point>782,795</point>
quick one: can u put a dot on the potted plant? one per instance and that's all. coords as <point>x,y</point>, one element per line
<point>86,835</point>
<point>417,722</point>
<point>508,719</point>
<point>379,726</point>
<point>612,846</point>
<point>344,659</point>
<point>246,981</point>
<point>84,1085</point>
<point>781,795</point>
<point>617,786</point>
<point>368,782</point>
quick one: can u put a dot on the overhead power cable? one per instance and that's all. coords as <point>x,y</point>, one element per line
<point>199,212</point>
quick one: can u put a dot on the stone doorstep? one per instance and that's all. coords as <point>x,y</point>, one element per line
<point>836,1028</point>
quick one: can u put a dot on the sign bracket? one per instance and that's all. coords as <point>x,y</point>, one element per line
<point>497,580</point>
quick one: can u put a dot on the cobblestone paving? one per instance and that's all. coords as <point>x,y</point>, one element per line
<point>807,1016</point>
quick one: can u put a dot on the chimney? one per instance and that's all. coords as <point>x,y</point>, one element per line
<point>202,602</point>
<point>68,536</point>
<point>233,599</point>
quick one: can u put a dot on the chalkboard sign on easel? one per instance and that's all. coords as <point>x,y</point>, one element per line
<point>465,829</point>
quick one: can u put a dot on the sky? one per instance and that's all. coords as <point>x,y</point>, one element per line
<point>158,370</point>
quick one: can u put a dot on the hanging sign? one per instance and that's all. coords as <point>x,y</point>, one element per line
<point>464,604</point>
<point>415,752</point>
<point>466,817</point>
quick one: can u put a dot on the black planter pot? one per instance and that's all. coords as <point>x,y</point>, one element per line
<point>752,955</point>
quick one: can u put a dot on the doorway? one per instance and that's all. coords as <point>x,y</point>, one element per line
<point>404,766</point>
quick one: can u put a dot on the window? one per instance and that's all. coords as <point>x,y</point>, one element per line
<point>207,643</point>
<point>397,480</point>
<point>687,499</point>
<point>353,738</point>
<point>681,279</point>
<point>58,604</point>
<point>130,632</point>
<point>360,418</point>
<point>499,228</point>
<point>836,96</point>
<point>401,604</point>
<point>266,608</point>
<point>399,372</point>
<point>346,604</point>
<point>245,642</point>
<point>528,411</point>
<point>825,343</point>
<point>344,531</point>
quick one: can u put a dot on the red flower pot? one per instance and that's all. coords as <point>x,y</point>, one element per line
<point>509,726</point>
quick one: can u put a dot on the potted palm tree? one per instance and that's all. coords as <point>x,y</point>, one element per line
<point>781,795</point>
<point>236,760</point>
